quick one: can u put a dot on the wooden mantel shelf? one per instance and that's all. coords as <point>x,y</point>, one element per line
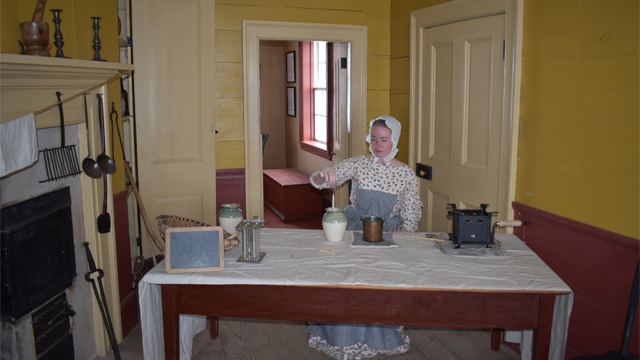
<point>29,83</point>
<point>24,71</point>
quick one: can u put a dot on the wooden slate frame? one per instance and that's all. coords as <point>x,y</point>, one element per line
<point>194,249</point>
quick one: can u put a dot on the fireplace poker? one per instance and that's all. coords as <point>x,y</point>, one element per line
<point>101,299</point>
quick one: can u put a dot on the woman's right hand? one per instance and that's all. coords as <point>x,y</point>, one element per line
<point>328,175</point>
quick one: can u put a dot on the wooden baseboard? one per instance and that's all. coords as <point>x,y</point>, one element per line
<point>128,298</point>
<point>598,265</point>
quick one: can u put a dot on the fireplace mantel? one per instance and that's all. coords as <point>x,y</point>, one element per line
<point>29,83</point>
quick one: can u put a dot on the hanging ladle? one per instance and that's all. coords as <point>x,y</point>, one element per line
<point>106,163</point>
<point>90,166</point>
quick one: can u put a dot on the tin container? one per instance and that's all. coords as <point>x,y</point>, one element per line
<point>372,228</point>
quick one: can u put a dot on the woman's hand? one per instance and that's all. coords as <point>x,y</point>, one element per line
<point>328,175</point>
<point>402,229</point>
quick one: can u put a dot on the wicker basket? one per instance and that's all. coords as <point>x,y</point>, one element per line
<point>172,221</point>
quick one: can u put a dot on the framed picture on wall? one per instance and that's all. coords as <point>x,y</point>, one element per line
<point>291,67</point>
<point>291,101</point>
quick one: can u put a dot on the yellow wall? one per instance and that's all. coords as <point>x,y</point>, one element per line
<point>228,62</point>
<point>578,145</point>
<point>77,31</point>
<point>578,151</point>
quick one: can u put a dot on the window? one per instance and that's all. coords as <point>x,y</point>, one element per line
<point>319,89</point>
<point>316,120</point>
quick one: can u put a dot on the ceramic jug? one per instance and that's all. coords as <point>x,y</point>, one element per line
<point>334,224</point>
<point>230,216</point>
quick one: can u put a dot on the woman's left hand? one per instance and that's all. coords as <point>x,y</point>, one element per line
<point>402,229</point>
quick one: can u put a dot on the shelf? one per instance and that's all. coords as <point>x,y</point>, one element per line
<point>29,83</point>
<point>26,71</point>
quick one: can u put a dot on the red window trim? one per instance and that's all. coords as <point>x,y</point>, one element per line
<point>306,143</point>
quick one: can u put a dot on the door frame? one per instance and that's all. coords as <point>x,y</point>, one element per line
<point>253,32</point>
<point>461,10</point>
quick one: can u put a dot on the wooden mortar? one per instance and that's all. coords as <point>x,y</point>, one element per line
<point>35,33</point>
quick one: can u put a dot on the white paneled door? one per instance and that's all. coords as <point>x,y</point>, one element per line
<point>174,93</point>
<point>459,117</point>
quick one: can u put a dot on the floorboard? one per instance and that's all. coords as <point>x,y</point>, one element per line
<point>243,339</point>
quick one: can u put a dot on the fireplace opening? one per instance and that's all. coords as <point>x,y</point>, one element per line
<point>38,259</point>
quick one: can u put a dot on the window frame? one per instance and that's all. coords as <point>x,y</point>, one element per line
<point>307,126</point>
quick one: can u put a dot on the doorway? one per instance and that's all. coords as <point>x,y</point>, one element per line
<point>465,106</point>
<point>254,32</point>
<point>287,74</point>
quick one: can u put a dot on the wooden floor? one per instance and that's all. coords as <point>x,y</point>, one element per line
<point>278,340</point>
<point>260,339</point>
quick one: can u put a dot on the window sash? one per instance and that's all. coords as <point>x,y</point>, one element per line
<point>316,127</point>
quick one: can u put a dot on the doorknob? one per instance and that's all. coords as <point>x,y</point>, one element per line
<point>424,171</point>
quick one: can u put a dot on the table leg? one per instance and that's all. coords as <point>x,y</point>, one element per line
<point>213,326</point>
<point>542,335</point>
<point>496,339</point>
<point>171,323</point>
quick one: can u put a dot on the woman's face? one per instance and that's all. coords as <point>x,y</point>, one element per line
<point>381,142</point>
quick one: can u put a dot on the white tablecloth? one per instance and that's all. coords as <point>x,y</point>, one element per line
<point>293,258</point>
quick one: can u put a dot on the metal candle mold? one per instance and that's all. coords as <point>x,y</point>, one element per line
<point>251,240</point>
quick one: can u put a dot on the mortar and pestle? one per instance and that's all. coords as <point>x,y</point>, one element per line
<point>35,33</point>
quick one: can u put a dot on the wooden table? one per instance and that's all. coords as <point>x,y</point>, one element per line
<point>425,307</point>
<point>468,305</point>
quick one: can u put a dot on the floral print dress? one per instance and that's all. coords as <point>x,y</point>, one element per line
<point>377,190</point>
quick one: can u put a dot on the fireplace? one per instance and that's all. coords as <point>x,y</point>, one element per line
<point>29,84</point>
<point>37,267</point>
<point>34,318</point>
<point>38,259</point>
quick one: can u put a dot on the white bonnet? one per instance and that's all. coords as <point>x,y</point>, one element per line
<point>395,126</point>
